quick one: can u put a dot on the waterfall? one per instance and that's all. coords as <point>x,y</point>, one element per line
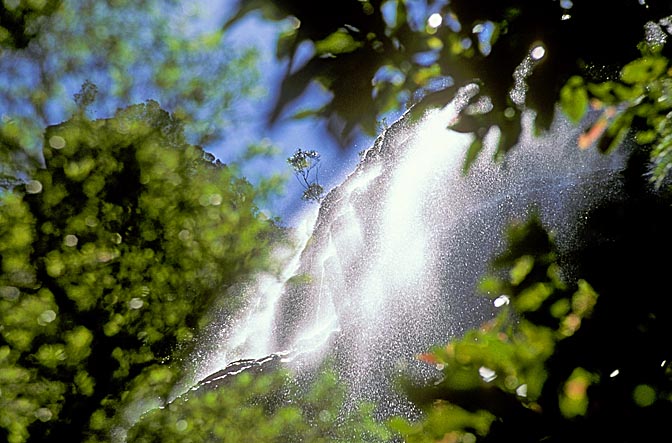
<point>388,265</point>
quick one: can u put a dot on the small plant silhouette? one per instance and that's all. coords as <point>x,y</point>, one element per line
<point>305,163</point>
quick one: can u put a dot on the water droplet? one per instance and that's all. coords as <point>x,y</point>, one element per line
<point>57,142</point>
<point>136,303</point>
<point>104,256</point>
<point>181,425</point>
<point>614,373</point>
<point>33,187</point>
<point>70,240</point>
<point>184,235</point>
<point>538,52</point>
<point>204,200</point>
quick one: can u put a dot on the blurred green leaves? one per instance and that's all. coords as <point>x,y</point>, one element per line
<point>445,422</point>
<point>498,373</point>
<point>22,20</point>
<point>267,407</point>
<point>108,267</point>
<point>574,98</point>
<point>639,102</point>
<point>338,42</point>
<point>132,51</point>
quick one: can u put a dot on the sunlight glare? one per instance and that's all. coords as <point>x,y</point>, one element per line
<point>538,52</point>
<point>434,20</point>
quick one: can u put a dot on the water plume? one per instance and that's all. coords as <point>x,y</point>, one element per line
<point>388,266</point>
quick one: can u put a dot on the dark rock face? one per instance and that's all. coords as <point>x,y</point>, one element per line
<point>250,366</point>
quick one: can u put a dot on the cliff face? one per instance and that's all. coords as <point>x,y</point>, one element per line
<point>398,248</point>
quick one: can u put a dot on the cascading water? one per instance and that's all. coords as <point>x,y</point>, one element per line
<point>388,266</point>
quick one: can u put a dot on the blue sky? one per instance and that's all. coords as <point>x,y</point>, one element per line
<point>21,73</point>
<point>288,135</point>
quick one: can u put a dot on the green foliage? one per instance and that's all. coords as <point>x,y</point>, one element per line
<point>574,98</point>
<point>442,423</point>
<point>500,368</point>
<point>304,163</point>
<point>559,363</point>
<point>21,21</point>
<point>15,161</point>
<point>132,51</point>
<point>268,407</point>
<point>110,255</point>
<point>378,56</point>
<point>639,102</point>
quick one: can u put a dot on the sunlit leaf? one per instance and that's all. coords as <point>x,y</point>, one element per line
<point>574,99</point>
<point>338,42</point>
<point>643,70</point>
<point>574,398</point>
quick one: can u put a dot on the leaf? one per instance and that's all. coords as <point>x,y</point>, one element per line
<point>306,113</point>
<point>603,91</point>
<point>427,357</point>
<point>262,149</point>
<point>646,137</point>
<point>574,396</point>
<point>615,134</point>
<point>521,269</point>
<point>424,75</point>
<point>533,297</point>
<point>643,70</point>
<point>339,42</point>
<point>574,99</point>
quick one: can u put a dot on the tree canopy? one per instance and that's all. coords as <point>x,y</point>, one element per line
<point>376,56</point>
<point>132,52</point>
<point>110,256</point>
<point>20,21</point>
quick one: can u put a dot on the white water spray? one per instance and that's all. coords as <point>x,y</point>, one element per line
<point>388,267</point>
